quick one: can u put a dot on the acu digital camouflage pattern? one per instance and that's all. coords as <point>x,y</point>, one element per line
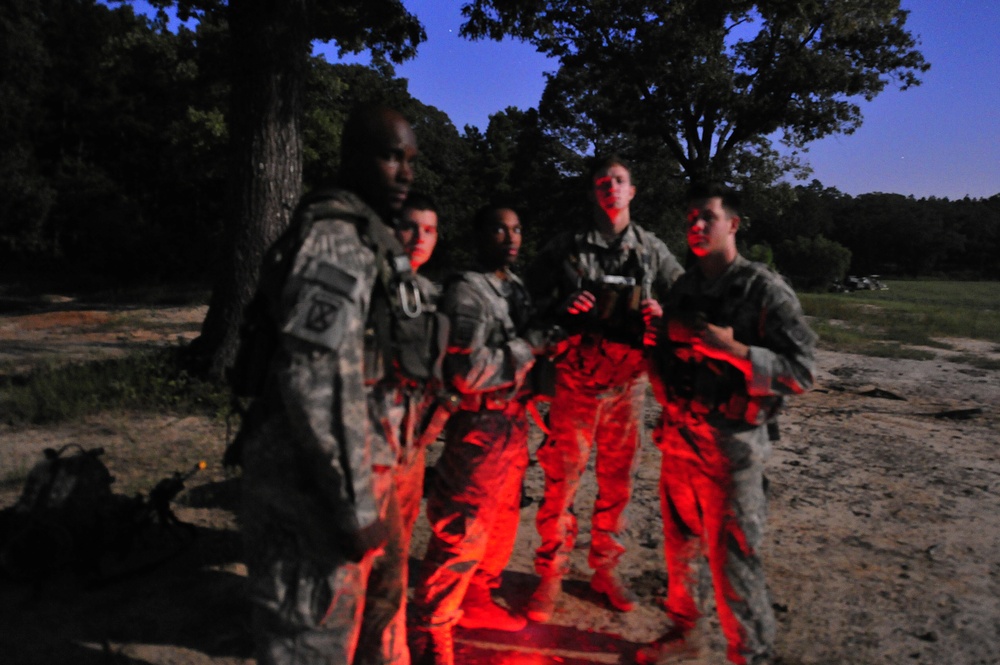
<point>410,404</point>
<point>474,503</point>
<point>714,442</point>
<point>600,384</point>
<point>318,465</point>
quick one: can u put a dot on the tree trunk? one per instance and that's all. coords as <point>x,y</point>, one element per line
<point>270,47</point>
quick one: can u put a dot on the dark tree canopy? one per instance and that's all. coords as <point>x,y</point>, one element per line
<point>712,79</point>
<point>270,49</point>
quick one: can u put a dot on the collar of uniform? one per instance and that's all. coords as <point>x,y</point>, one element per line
<point>716,285</point>
<point>501,286</point>
<point>625,241</point>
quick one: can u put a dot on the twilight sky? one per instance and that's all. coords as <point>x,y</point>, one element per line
<point>941,138</point>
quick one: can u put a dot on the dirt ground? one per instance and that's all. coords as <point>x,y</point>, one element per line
<point>883,536</point>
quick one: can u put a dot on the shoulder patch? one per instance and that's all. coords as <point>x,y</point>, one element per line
<point>319,317</point>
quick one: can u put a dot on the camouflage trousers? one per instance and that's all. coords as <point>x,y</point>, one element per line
<point>309,612</point>
<point>714,508</point>
<point>410,492</point>
<point>579,421</point>
<point>405,411</point>
<point>474,509</point>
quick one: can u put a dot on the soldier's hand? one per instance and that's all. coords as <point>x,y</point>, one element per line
<point>365,540</point>
<point>652,314</point>
<point>718,343</point>
<point>686,329</point>
<point>579,302</point>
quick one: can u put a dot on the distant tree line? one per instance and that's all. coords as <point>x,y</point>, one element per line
<point>115,152</point>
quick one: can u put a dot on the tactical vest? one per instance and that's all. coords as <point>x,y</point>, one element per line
<point>617,314</point>
<point>706,386</point>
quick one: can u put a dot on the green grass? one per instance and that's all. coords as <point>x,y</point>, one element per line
<point>151,380</point>
<point>885,323</point>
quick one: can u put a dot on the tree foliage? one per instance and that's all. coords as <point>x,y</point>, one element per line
<point>713,80</point>
<point>270,46</point>
<point>118,141</point>
<point>812,263</point>
<point>99,108</point>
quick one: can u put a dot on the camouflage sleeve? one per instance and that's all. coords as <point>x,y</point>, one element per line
<point>667,270</point>
<point>324,305</point>
<point>475,362</point>
<point>784,363</point>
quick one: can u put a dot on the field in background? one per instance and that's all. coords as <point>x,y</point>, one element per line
<point>909,314</point>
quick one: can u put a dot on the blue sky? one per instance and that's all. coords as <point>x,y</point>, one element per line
<point>940,139</point>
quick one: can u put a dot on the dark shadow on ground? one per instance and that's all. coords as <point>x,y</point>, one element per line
<point>542,644</point>
<point>537,644</point>
<point>174,595</point>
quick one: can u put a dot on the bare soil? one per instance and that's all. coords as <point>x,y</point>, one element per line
<point>883,536</point>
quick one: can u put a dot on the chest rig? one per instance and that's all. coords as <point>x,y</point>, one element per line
<point>620,280</point>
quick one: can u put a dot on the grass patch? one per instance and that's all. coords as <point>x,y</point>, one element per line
<point>149,380</point>
<point>908,314</point>
<point>977,361</point>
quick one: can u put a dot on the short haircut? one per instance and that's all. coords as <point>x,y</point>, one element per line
<point>486,216</point>
<point>420,201</point>
<point>701,191</point>
<point>361,129</point>
<point>605,162</point>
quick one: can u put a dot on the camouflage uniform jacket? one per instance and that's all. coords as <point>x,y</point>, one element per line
<point>486,360</point>
<point>309,464</point>
<point>598,354</point>
<point>766,316</point>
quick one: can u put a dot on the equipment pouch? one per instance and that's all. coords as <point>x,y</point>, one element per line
<point>420,344</point>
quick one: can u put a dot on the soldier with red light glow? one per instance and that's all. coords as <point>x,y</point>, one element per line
<point>734,344</point>
<point>474,502</point>
<point>418,233</point>
<point>600,285</point>
<point>418,230</point>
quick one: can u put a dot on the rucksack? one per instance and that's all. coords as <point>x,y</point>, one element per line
<point>66,514</point>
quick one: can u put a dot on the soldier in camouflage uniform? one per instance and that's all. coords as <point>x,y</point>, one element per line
<point>319,516</point>
<point>418,233</point>
<point>473,504</point>
<point>735,343</point>
<point>600,285</point>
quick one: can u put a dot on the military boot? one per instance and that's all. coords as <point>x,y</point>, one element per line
<point>442,646</point>
<point>480,611</point>
<point>607,582</point>
<point>431,646</point>
<point>543,601</point>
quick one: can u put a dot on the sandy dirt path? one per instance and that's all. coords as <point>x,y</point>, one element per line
<point>883,542</point>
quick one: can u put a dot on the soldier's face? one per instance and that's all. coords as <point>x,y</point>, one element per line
<point>418,233</point>
<point>502,241</point>
<point>613,188</point>
<point>710,227</point>
<point>387,164</point>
